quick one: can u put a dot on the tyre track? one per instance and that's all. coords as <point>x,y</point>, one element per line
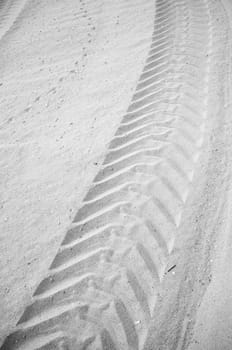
<point>103,283</point>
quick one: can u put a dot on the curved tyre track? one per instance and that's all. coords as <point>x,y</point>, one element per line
<point>9,12</point>
<point>102,286</point>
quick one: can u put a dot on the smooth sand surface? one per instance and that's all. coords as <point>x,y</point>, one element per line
<point>68,70</point>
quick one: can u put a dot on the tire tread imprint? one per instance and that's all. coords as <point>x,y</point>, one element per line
<point>106,276</point>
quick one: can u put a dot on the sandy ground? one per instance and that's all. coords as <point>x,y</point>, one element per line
<point>213,324</point>
<point>67,79</point>
<point>68,70</point>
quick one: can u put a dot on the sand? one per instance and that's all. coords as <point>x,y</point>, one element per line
<point>116,168</point>
<point>68,70</point>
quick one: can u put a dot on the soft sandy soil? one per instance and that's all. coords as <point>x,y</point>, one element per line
<point>213,324</point>
<point>68,69</point>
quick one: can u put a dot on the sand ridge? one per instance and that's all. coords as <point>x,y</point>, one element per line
<point>140,153</point>
<point>49,111</point>
<point>105,279</point>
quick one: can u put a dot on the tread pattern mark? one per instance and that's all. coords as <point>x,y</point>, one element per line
<point>102,286</point>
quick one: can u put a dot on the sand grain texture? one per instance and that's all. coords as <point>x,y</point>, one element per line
<point>63,84</point>
<point>144,263</point>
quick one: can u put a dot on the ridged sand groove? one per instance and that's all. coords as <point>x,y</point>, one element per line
<point>9,12</point>
<point>101,289</point>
